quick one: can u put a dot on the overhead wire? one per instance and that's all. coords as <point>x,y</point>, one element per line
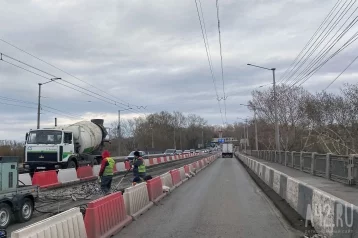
<point>221,56</point>
<point>328,46</point>
<point>327,50</point>
<point>42,105</point>
<point>99,97</point>
<point>315,44</point>
<point>63,71</point>
<point>308,43</point>
<point>341,73</point>
<point>209,61</point>
<point>349,42</point>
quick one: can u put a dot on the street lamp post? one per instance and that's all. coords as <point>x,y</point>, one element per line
<point>119,129</point>
<point>256,138</point>
<point>39,101</point>
<point>277,130</point>
<point>246,131</point>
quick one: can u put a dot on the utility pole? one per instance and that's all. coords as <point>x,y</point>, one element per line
<point>245,136</point>
<point>175,144</point>
<point>152,138</point>
<point>247,133</point>
<point>119,132</point>
<point>255,119</point>
<point>39,107</point>
<point>277,129</point>
<point>256,139</point>
<point>39,101</point>
<point>202,138</point>
<point>181,146</point>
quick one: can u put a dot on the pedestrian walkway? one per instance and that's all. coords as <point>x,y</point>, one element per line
<point>347,193</point>
<point>221,201</point>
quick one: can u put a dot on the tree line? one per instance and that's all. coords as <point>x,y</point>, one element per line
<point>157,132</point>
<point>321,122</point>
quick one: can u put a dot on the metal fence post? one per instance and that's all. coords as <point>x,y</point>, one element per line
<point>286,157</point>
<point>328,166</point>
<point>293,158</point>
<point>275,156</point>
<point>313,162</point>
<point>301,161</point>
<point>350,166</point>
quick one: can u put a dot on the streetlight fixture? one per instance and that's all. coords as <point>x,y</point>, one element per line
<point>246,130</point>
<point>277,130</point>
<point>256,139</point>
<point>39,100</point>
<point>119,129</point>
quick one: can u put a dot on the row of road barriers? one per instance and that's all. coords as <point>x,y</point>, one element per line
<point>329,215</point>
<point>53,178</point>
<point>340,168</point>
<point>106,216</point>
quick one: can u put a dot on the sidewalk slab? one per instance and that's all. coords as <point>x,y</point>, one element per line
<point>342,191</point>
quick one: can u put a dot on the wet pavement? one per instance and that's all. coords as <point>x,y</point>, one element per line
<point>220,201</point>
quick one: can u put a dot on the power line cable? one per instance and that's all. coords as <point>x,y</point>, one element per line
<point>308,43</point>
<point>341,73</point>
<point>319,60</point>
<point>349,42</point>
<point>42,105</point>
<point>221,56</point>
<point>319,38</point>
<point>113,102</point>
<point>328,46</point>
<point>63,71</point>
<point>209,62</point>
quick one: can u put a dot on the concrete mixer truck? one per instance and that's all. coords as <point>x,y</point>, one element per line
<point>65,146</point>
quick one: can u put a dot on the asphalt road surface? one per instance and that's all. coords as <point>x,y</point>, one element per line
<point>221,201</point>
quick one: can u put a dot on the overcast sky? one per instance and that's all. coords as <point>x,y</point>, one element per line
<point>151,53</point>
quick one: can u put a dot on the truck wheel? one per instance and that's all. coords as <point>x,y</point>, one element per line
<point>71,164</point>
<point>5,215</point>
<point>26,210</point>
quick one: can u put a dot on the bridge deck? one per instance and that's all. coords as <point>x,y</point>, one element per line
<point>221,201</point>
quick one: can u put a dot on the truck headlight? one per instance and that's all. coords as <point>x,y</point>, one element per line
<point>57,166</point>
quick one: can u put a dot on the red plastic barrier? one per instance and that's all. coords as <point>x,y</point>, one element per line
<point>151,161</point>
<point>186,169</point>
<point>165,159</point>
<point>159,160</point>
<point>45,179</point>
<point>155,189</point>
<point>106,216</point>
<point>85,172</point>
<point>194,165</point>
<point>175,176</point>
<point>202,164</point>
<point>127,165</point>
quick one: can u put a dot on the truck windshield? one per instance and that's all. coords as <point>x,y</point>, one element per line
<point>45,137</point>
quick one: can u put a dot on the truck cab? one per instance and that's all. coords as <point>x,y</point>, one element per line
<point>47,149</point>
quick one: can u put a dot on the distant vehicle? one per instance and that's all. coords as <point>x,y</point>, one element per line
<point>170,152</point>
<point>141,153</point>
<point>197,151</point>
<point>192,150</point>
<point>186,152</point>
<point>227,150</point>
<point>178,152</point>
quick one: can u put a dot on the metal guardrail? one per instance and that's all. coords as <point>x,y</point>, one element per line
<point>340,168</point>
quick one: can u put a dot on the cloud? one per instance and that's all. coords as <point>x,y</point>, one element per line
<point>150,53</point>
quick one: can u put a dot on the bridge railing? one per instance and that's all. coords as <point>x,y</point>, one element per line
<point>340,168</point>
